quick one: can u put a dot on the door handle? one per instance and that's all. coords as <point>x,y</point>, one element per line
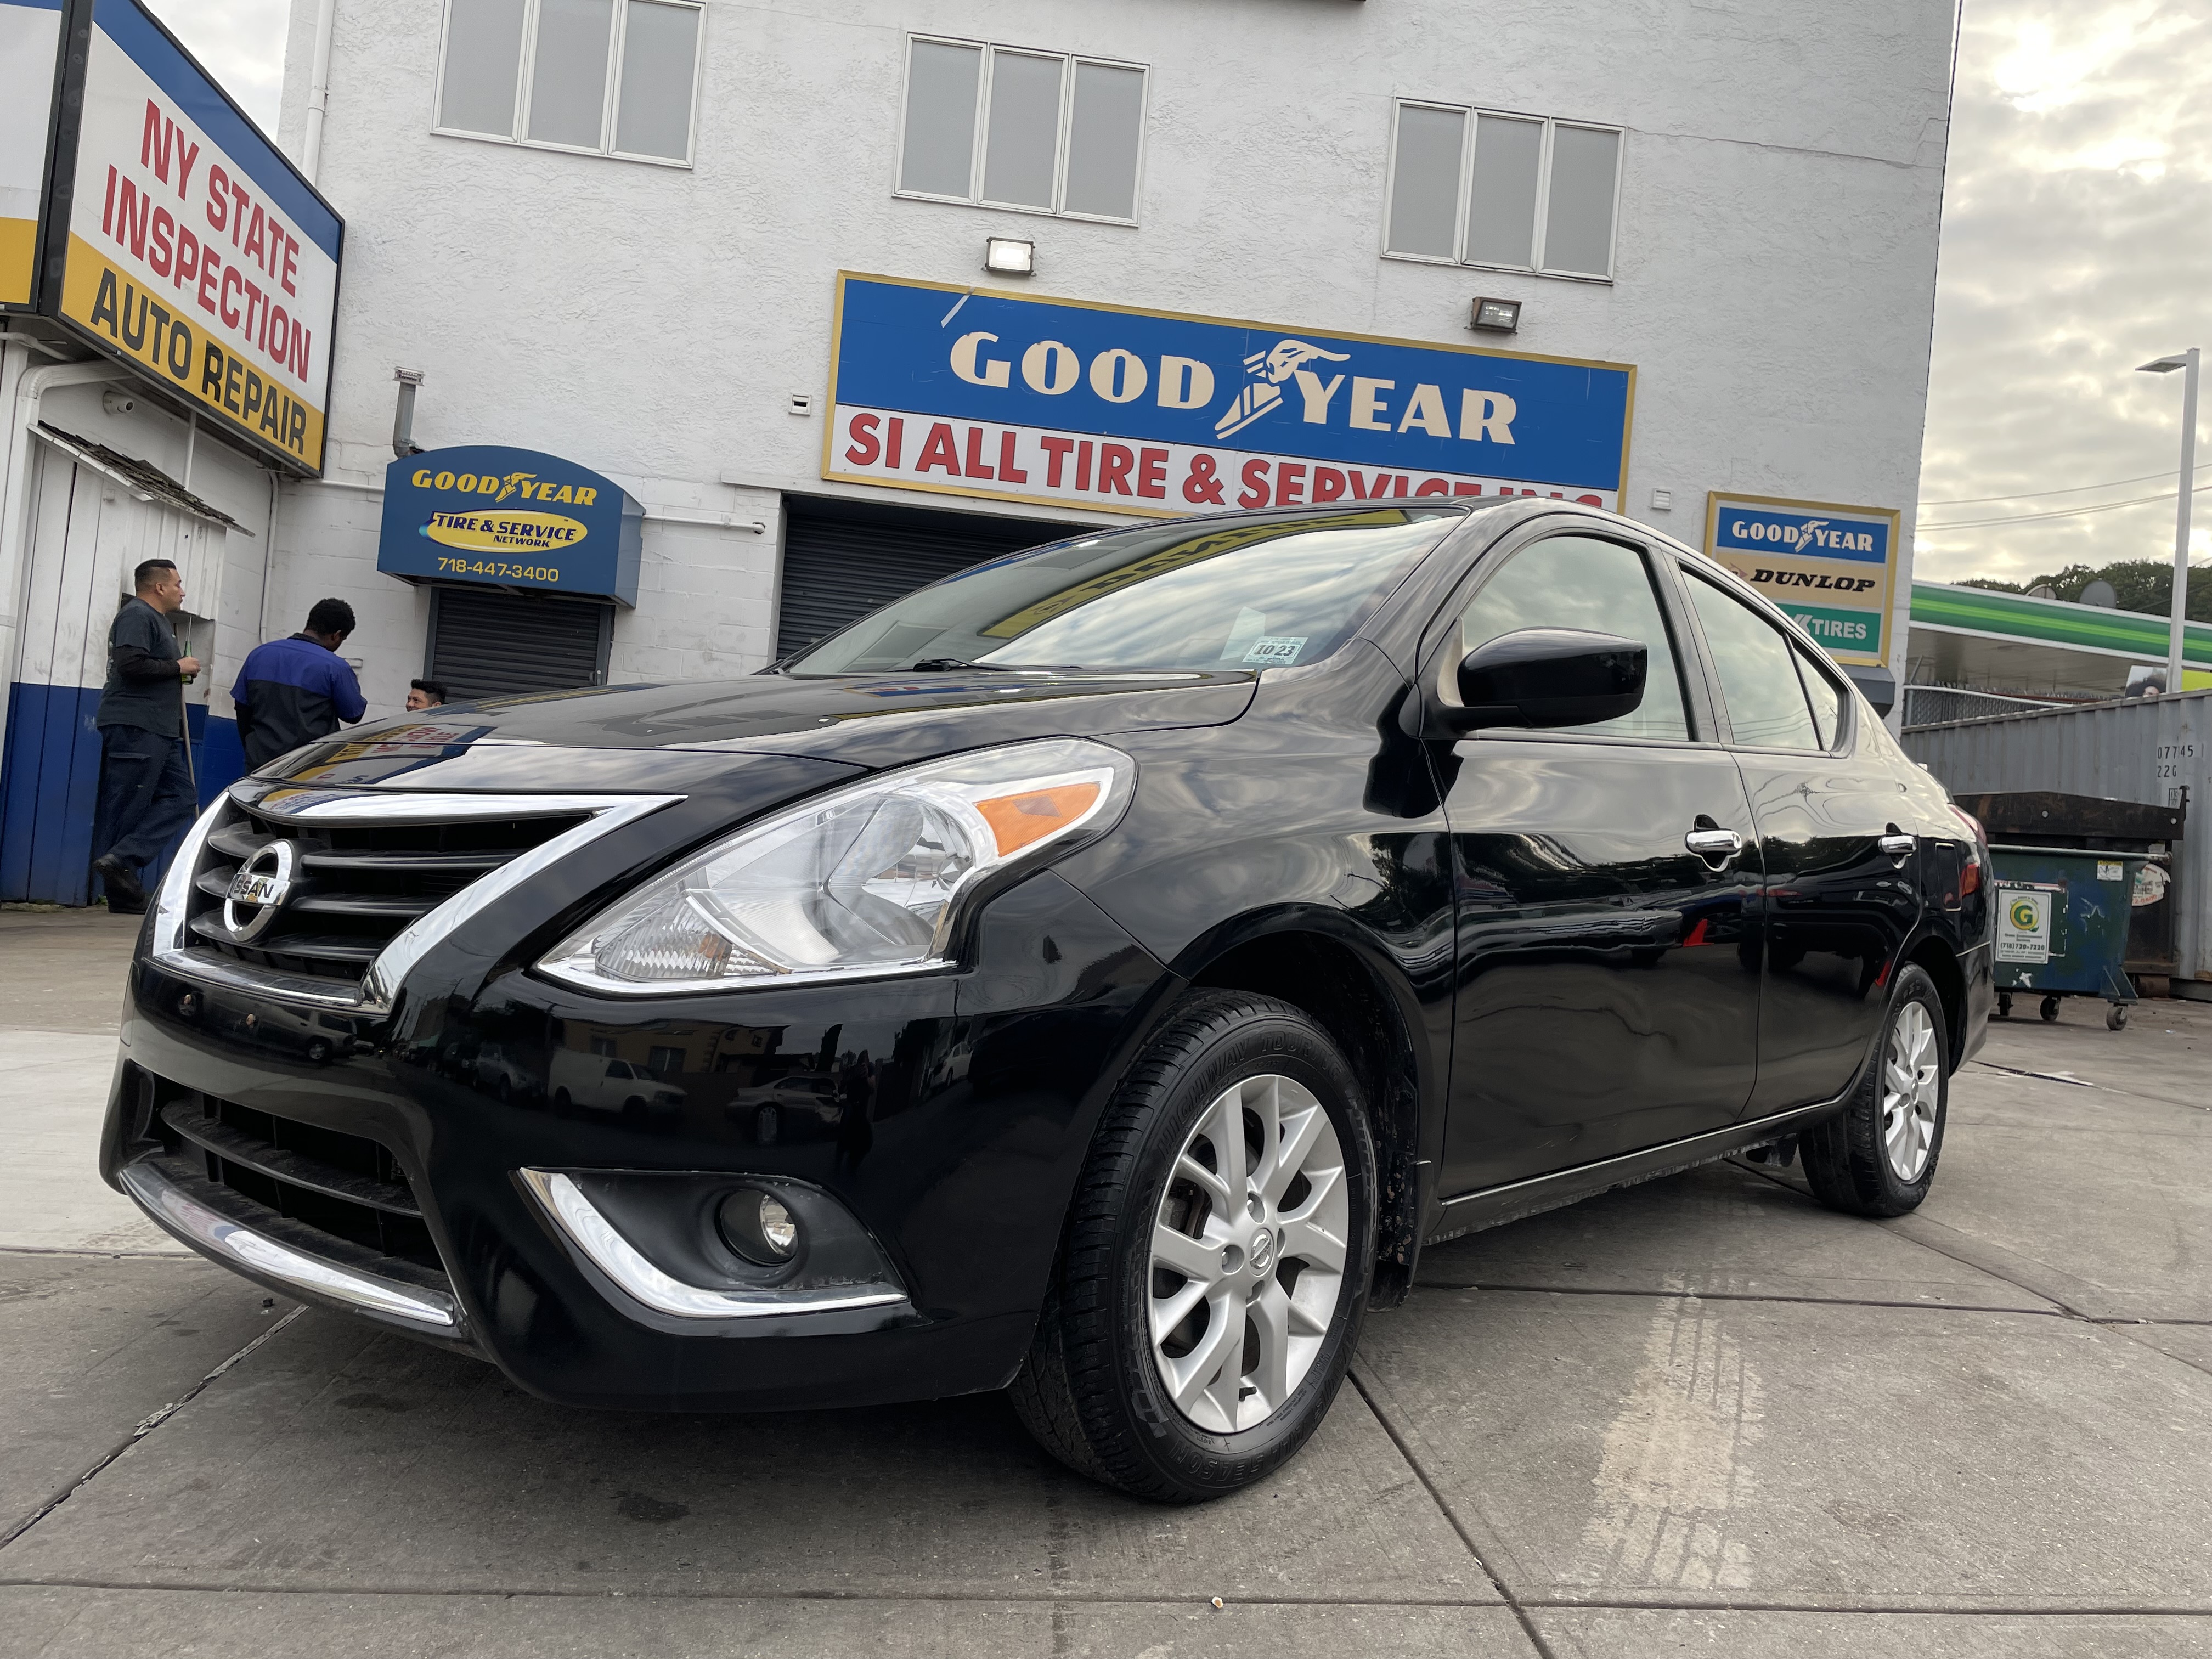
<point>1722,844</point>
<point>1898,845</point>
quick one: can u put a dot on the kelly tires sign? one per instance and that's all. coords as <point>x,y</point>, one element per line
<point>1832,569</point>
<point>178,240</point>
<point>485,514</point>
<point>1062,403</point>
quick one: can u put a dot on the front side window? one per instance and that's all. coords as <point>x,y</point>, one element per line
<point>614,77</point>
<point>1766,705</point>
<point>1579,581</point>
<point>1278,593</point>
<point>1000,126</point>
<point>1523,192</point>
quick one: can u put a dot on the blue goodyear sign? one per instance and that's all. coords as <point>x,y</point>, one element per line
<point>510,518</point>
<point>1832,569</point>
<point>1061,402</point>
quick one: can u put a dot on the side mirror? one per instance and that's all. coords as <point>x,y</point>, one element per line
<point>1548,677</point>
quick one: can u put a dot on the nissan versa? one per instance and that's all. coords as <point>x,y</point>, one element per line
<point>1097,976</point>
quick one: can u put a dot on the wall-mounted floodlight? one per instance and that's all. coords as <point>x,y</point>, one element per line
<point>1496,316</point>
<point>1009,256</point>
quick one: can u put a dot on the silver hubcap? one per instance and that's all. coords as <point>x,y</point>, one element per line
<point>1909,1092</point>
<point>1249,1253</point>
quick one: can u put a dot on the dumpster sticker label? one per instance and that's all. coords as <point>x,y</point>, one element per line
<point>2112,870</point>
<point>2150,885</point>
<point>2024,925</point>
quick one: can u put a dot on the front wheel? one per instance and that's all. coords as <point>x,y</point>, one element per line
<point>1877,1156</point>
<point>1215,1266</point>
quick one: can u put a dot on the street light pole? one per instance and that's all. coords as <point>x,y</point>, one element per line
<point>2178,612</point>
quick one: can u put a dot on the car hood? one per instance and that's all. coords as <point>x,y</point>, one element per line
<point>623,737</point>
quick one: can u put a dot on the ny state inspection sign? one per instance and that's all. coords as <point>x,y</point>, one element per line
<point>1063,402</point>
<point>1832,569</point>
<point>188,245</point>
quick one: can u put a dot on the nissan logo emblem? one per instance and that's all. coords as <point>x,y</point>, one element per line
<point>258,890</point>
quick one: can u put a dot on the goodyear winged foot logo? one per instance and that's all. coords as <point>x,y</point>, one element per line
<point>1270,371</point>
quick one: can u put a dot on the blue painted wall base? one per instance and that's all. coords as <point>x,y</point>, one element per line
<point>50,788</point>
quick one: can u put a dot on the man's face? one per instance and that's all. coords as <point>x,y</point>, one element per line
<point>169,593</point>
<point>418,700</point>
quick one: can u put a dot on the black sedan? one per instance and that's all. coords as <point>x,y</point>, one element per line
<point>1097,976</point>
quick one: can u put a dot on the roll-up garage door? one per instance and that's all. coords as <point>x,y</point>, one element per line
<point>843,559</point>
<point>485,643</point>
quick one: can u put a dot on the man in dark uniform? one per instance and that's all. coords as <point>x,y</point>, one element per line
<point>293,691</point>
<point>145,777</point>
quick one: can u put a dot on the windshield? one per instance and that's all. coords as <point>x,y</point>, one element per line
<point>1271,593</point>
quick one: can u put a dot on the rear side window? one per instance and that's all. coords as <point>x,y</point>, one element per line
<point>1766,704</point>
<point>1579,581</point>
<point>1827,698</point>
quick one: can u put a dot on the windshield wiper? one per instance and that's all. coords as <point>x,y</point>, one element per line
<point>961,665</point>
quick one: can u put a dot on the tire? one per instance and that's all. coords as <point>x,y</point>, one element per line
<point>2115,1017</point>
<point>1095,1390</point>
<point>1853,1161</point>
<point>2049,1011</point>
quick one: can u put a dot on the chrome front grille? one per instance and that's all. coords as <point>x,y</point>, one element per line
<point>369,880</point>
<point>357,886</point>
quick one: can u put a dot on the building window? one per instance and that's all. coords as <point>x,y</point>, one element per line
<point>609,77</point>
<point>1520,192</point>
<point>1042,132</point>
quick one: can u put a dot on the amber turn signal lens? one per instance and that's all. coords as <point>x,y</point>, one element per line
<point>1017,820</point>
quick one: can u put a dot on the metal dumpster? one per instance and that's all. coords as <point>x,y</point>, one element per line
<point>2063,917</point>
<point>2044,817</point>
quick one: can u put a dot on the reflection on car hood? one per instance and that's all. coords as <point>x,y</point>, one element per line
<point>663,735</point>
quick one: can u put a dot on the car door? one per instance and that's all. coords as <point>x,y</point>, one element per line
<point>1839,895</point>
<point>1607,988</point>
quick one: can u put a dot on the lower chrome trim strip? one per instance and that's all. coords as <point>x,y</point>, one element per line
<point>226,1241</point>
<point>591,1232</point>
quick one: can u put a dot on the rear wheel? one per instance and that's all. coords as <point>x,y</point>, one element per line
<point>1215,1267</point>
<point>1877,1157</point>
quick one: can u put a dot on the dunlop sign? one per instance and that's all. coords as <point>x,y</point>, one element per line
<point>1832,567</point>
<point>509,518</point>
<point>1059,402</point>
<point>180,240</point>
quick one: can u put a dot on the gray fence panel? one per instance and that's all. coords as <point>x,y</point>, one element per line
<point>2144,749</point>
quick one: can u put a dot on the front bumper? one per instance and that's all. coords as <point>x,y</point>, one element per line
<point>948,1114</point>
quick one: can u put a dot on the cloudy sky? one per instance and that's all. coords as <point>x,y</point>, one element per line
<point>2077,243</point>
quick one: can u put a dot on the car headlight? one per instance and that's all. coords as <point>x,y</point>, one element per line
<point>865,880</point>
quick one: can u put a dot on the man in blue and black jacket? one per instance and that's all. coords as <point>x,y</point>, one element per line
<point>293,691</point>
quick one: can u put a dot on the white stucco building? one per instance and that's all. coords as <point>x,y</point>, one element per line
<point>611,231</point>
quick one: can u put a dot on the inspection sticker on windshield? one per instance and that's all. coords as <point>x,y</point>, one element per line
<point>1276,650</point>
<point>2023,923</point>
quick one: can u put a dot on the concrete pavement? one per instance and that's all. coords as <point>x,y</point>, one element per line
<point>1698,1416</point>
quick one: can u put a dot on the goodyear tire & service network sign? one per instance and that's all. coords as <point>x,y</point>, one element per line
<point>1062,403</point>
<point>510,518</point>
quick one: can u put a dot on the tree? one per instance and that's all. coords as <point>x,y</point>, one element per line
<point>2144,585</point>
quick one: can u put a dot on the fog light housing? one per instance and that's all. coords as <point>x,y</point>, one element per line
<point>695,1244</point>
<point>758,1226</point>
